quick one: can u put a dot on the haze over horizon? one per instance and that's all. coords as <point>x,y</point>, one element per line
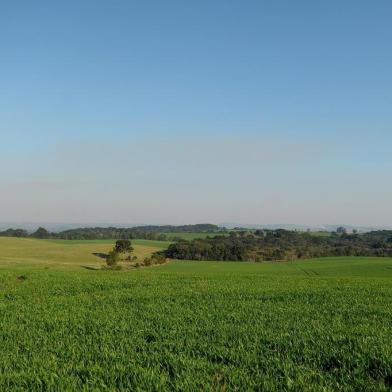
<point>61,226</point>
<point>215,111</point>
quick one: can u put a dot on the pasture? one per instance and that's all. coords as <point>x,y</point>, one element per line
<point>61,254</point>
<point>191,236</point>
<point>318,325</point>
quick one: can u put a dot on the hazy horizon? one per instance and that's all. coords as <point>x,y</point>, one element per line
<point>201,112</point>
<point>61,226</point>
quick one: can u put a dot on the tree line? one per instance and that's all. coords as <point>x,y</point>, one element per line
<point>273,245</point>
<point>150,232</point>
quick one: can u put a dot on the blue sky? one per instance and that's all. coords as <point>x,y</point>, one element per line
<point>181,112</point>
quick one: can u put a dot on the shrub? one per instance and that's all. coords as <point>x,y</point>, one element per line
<point>147,261</point>
<point>112,258</point>
<point>158,258</point>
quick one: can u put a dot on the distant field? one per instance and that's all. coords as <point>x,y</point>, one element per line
<point>321,233</point>
<point>192,236</point>
<point>318,325</point>
<point>20,252</point>
<point>149,243</point>
<point>353,267</point>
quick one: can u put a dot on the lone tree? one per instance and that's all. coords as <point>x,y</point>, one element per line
<point>123,246</point>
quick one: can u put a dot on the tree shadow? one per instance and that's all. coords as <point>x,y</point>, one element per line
<point>91,268</point>
<point>101,255</point>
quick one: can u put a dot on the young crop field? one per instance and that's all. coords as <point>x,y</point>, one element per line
<point>318,325</point>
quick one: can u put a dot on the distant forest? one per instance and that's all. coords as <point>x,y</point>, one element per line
<point>235,245</point>
<point>107,233</point>
<point>270,245</point>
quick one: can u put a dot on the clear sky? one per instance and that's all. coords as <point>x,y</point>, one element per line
<point>196,111</point>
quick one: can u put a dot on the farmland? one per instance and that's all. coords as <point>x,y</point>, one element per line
<point>323,324</point>
<point>61,254</point>
<point>192,236</point>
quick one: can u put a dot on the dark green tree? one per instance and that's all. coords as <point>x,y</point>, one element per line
<point>112,258</point>
<point>123,246</point>
<point>41,233</point>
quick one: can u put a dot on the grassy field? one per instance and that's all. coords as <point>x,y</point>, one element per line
<point>319,325</point>
<point>192,236</point>
<point>21,252</point>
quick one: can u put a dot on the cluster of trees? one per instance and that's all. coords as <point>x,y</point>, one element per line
<point>39,233</point>
<point>108,233</point>
<point>121,247</point>
<point>123,250</point>
<point>269,245</point>
<point>14,233</point>
<point>104,233</point>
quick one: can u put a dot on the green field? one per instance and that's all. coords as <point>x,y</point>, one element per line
<point>192,236</point>
<point>319,325</point>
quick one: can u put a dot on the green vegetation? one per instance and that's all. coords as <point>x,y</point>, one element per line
<point>112,258</point>
<point>268,245</point>
<point>191,236</point>
<point>123,246</point>
<point>148,243</point>
<point>318,325</point>
<point>160,233</point>
<point>123,252</point>
<point>61,254</point>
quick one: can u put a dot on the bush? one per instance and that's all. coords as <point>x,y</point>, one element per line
<point>158,258</point>
<point>147,261</point>
<point>112,258</point>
